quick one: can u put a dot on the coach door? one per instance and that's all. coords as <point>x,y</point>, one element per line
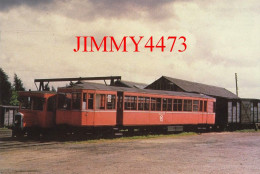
<point>119,116</point>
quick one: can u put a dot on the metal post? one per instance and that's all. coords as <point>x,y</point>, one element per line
<point>236,84</point>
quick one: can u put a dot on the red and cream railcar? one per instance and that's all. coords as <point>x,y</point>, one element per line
<point>150,107</point>
<point>86,106</point>
<point>36,111</point>
<point>95,105</point>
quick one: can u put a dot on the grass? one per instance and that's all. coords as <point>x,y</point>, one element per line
<point>247,130</point>
<point>141,137</point>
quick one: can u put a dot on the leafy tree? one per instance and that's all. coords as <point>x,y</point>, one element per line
<point>5,88</point>
<point>18,84</point>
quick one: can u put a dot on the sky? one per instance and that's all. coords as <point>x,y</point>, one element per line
<point>37,39</point>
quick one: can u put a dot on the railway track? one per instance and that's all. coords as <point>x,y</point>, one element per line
<point>8,143</point>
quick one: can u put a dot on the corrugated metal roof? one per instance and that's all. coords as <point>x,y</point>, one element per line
<point>97,86</point>
<point>201,88</point>
<point>130,84</point>
<point>9,107</point>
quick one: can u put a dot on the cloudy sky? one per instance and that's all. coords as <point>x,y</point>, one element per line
<point>37,39</point>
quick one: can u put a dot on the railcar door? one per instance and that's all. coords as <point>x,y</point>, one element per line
<point>120,104</point>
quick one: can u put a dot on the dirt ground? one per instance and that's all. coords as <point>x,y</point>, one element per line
<point>206,153</point>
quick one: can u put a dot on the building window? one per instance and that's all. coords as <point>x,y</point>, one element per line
<point>187,105</point>
<point>195,105</point>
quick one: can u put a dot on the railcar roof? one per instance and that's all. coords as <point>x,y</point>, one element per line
<point>38,92</point>
<point>97,86</point>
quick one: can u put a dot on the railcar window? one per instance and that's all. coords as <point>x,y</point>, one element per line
<point>153,104</point>
<point>100,101</point>
<point>205,106</point>
<point>51,103</point>
<point>76,99</point>
<point>158,104</point>
<point>195,105</point>
<point>164,104</point>
<point>141,103</point>
<point>187,105</point>
<point>84,103</point>
<point>201,105</point>
<point>111,101</point>
<point>214,107</point>
<point>177,105</point>
<point>90,101</point>
<point>38,103</point>
<point>169,104</point>
<point>147,104</point>
<point>130,102</point>
<point>64,101</point>
<point>25,102</point>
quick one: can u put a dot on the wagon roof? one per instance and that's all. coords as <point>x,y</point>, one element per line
<point>97,86</point>
<point>201,88</point>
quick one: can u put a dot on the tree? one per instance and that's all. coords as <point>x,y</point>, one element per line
<point>5,88</point>
<point>18,84</point>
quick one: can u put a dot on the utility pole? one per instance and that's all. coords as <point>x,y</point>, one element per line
<point>236,84</point>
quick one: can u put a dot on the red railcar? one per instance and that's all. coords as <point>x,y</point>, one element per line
<point>36,111</point>
<point>95,105</point>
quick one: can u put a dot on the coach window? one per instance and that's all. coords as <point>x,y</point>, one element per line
<point>90,101</point>
<point>51,103</point>
<point>205,106</point>
<point>153,104</point>
<point>25,102</point>
<point>187,105</point>
<point>64,101</point>
<point>84,103</point>
<point>76,99</point>
<point>141,103</point>
<point>164,104</point>
<point>147,104</point>
<point>158,104</point>
<point>177,105</point>
<point>195,105</point>
<point>100,101</point>
<point>169,104</point>
<point>111,101</point>
<point>201,105</point>
<point>130,102</point>
<point>38,103</point>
